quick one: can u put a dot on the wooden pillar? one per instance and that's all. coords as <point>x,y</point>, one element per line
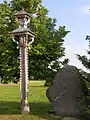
<point>24,74</point>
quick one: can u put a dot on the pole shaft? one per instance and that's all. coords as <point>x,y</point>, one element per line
<point>24,75</point>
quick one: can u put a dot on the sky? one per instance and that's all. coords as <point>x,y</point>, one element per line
<point>75,15</point>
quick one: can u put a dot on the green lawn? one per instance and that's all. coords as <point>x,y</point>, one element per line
<point>10,102</point>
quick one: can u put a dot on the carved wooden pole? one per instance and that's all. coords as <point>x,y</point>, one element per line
<point>25,36</point>
<point>24,74</point>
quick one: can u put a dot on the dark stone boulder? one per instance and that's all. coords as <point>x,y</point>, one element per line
<point>66,93</point>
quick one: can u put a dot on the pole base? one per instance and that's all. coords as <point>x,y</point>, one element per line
<point>25,107</point>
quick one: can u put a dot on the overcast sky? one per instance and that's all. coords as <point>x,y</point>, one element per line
<point>75,15</point>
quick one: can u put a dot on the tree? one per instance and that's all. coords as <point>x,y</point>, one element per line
<point>85,60</point>
<point>46,51</point>
<point>8,49</point>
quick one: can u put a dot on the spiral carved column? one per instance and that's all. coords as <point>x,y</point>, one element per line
<point>24,74</point>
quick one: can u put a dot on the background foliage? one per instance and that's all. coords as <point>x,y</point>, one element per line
<point>44,54</point>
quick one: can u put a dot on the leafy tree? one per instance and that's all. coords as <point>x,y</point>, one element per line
<point>85,60</point>
<point>8,51</point>
<point>47,50</point>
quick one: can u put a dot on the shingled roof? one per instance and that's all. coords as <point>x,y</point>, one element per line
<point>22,12</point>
<point>22,31</point>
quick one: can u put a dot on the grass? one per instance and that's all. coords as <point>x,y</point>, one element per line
<point>10,102</point>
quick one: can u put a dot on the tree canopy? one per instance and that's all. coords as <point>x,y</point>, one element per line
<point>85,60</point>
<point>45,53</point>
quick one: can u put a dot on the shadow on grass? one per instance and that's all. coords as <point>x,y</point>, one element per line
<point>9,107</point>
<point>38,109</point>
